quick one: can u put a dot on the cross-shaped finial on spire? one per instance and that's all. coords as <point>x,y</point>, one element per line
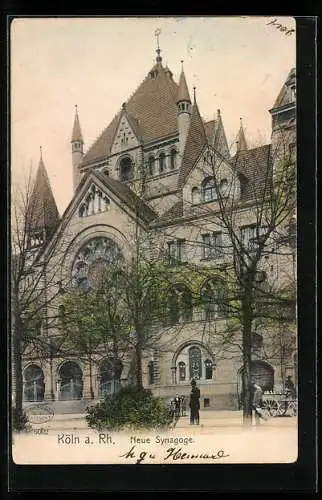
<point>76,109</point>
<point>194,93</point>
<point>158,50</point>
<point>181,64</point>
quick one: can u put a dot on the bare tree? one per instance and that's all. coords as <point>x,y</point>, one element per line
<point>33,287</point>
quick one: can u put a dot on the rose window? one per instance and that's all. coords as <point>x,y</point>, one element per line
<point>92,260</point>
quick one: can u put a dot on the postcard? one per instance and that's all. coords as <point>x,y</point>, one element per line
<point>154,251</point>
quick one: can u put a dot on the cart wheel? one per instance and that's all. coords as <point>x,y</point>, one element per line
<point>273,408</point>
<point>292,409</point>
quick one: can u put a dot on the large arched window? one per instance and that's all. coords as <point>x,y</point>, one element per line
<point>179,305</point>
<point>71,381</point>
<point>126,169</point>
<point>214,298</point>
<point>173,159</point>
<point>92,260</point>
<point>34,386</point>
<point>161,163</point>
<point>194,361</point>
<point>209,190</point>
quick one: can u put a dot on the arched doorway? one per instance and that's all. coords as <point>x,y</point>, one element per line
<point>109,376</point>
<point>262,374</point>
<point>71,381</point>
<point>34,386</point>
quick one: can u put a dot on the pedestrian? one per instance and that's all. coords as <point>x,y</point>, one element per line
<point>183,406</point>
<point>257,403</point>
<point>194,403</point>
<point>290,387</point>
<point>177,402</point>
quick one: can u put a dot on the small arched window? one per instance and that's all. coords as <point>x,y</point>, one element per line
<point>151,372</point>
<point>214,298</point>
<point>173,159</point>
<point>195,195</point>
<point>179,305</point>
<point>126,169</point>
<point>182,371</point>
<point>209,190</point>
<point>195,366</point>
<point>208,369</point>
<point>151,165</point>
<point>161,162</point>
<point>223,188</point>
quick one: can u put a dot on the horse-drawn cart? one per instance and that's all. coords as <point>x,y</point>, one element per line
<point>279,404</point>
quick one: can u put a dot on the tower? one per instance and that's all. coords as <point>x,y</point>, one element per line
<point>77,149</point>
<point>183,102</point>
<point>284,119</point>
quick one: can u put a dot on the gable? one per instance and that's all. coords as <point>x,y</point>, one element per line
<point>125,136</point>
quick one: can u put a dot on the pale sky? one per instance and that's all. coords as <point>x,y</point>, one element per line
<point>238,65</point>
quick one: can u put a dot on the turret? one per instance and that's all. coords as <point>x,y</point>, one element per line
<point>77,149</point>
<point>184,112</point>
<point>241,141</point>
<point>43,215</point>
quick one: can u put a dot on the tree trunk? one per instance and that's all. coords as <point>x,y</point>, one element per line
<point>17,368</point>
<point>247,362</point>
<point>138,359</point>
<point>91,379</point>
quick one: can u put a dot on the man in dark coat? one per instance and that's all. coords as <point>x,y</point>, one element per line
<point>194,403</point>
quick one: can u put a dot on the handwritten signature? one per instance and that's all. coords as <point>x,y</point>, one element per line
<point>174,454</point>
<point>287,31</point>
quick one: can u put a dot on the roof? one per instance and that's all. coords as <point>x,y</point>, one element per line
<point>210,129</point>
<point>173,213</point>
<point>128,196</point>
<point>77,133</point>
<point>183,92</point>
<point>42,207</point>
<point>255,167</point>
<point>283,97</point>
<point>196,140</point>
<point>153,108</point>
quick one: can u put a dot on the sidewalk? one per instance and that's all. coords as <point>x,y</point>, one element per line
<point>231,419</point>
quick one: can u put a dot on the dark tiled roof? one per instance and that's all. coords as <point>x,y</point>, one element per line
<point>152,106</point>
<point>255,167</point>
<point>195,143</point>
<point>210,129</point>
<point>283,96</point>
<point>42,207</point>
<point>128,196</point>
<point>173,213</point>
<point>183,92</point>
<point>77,133</point>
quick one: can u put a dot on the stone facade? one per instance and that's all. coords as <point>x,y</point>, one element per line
<point>155,151</point>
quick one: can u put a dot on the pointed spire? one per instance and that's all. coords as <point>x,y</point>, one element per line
<point>77,133</point>
<point>241,142</point>
<point>183,92</point>
<point>194,95</point>
<point>42,206</point>
<point>219,140</point>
